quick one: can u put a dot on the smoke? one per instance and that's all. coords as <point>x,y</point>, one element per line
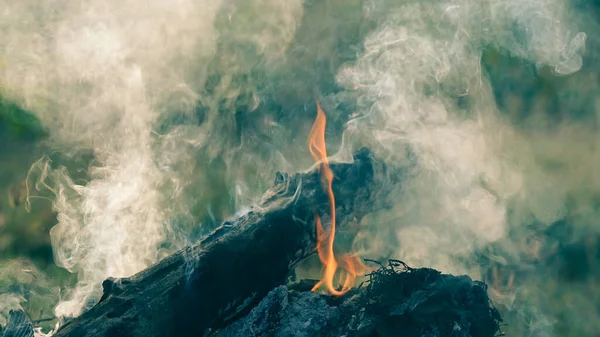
<point>24,287</point>
<point>189,107</point>
<point>483,183</point>
<point>90,71</point>
<point>420,84</point>
<point>128,81</point>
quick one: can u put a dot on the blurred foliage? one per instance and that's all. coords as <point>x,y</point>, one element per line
<point>18,123</point>
<point>27,270</point>
<point>22,233</point>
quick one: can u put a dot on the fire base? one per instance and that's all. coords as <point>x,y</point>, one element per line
<point>396,301</point>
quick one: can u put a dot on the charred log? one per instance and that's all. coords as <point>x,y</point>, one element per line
<point>208,285</point>
<point>396,301</point>
<point>19,325</point>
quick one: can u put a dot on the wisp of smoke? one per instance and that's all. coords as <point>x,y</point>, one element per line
<point>189,107</point>
<point>118,77</point>
<point>420,84</point>
<point>94,72</point>
<point>24,287</point>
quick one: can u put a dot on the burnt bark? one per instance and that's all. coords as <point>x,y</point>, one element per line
<point>207,285</point>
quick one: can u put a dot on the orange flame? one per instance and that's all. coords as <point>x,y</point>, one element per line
<point>351,265</point>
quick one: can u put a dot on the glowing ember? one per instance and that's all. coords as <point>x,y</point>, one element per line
<point>351,265</point>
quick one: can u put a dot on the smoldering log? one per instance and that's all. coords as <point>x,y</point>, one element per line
<point>207,285</point>
<point>19,325</point>
<point>396,300</point>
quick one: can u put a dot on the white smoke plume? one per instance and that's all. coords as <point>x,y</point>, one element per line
<point>189,107</point>
<point>100,75</point>
<point>480,181</point>
<point>415,69</point>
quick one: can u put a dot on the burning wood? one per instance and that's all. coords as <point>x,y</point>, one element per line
<point>397,301</point>
<point>234,283</point>
<point>217,281</point>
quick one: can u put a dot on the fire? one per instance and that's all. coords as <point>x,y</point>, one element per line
<point>351,265</point>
